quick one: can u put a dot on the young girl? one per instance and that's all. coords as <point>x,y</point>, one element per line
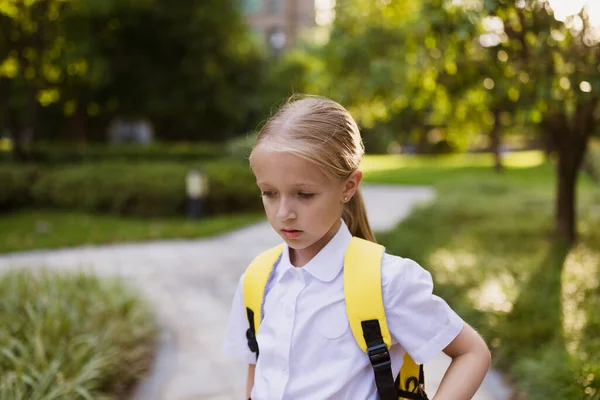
<point>306,161</point>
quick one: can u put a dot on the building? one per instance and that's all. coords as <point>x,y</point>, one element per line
<point>280,22</point>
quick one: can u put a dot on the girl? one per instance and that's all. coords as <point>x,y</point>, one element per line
<point>306,161</point>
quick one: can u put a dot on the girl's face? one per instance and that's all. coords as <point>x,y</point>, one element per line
<point>302,204</point>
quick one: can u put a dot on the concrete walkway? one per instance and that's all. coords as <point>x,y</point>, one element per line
<point>191,283</point>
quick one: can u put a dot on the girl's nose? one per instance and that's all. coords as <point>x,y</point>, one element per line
<point>285,211</point>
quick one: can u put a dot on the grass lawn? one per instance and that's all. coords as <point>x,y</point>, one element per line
<point>33,229</point>
<point>486,240</point>
<point>432,170</point>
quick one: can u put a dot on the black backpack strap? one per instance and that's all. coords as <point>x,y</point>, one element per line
<point>379,356</point>
<point>251,332</point>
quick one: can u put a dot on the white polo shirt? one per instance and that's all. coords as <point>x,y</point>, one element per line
<point>307,350</point>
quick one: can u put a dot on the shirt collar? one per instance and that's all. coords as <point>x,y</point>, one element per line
<point>328,262</point>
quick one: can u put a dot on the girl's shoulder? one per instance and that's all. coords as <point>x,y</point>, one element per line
<point>400,273</point>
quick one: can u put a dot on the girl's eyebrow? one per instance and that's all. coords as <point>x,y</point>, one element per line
<point>305,184</point>
<point>311,185</point>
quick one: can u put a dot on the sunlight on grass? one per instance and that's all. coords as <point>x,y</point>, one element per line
<point>495,294</point>
<point>447,263</point>
<point>580,275</point>
<point>523,159</point>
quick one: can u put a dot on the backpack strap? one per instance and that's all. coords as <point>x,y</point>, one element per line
<point>255,281</point>
<point>366,315</point>
<point>411,380</point>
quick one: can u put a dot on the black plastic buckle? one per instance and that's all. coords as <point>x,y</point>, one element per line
<point>379,356</point>
<point>252,343</point>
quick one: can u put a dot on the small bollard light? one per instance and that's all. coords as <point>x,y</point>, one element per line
<point>196,188</point>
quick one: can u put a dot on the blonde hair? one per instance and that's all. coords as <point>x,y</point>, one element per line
<point>321,131</point>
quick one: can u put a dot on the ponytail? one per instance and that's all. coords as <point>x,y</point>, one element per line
<point>355,217</point>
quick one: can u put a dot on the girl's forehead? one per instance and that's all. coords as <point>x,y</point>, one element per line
<point>277,167</point>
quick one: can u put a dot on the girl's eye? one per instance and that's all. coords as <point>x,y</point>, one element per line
<point>267,193</point>
<point>306,195</point>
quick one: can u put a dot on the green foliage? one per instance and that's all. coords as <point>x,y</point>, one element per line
<point>232,188</point>
<point>181,65</point>
<point>240,147</point>
<point>63,153</point>
<point>71,337</point>
<point>128,189</point>
<point>125,189</point>
<point>15,189</point>
<point>412,85</point>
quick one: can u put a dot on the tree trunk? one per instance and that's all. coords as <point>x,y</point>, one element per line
<point>31,116</point>
<point>495,142</point>
<point>3,105</point>
<point>548,147</point>
<point>423,141</point>
<point>566,170</point>
<point>79,126</point>
<point>571,140</point>
<point>16,130</point>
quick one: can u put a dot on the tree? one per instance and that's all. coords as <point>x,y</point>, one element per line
<point>408,64</point>
<point>468,63</point>
<point>30,40</point>
<point>560,60</point>
<point>189,66</point>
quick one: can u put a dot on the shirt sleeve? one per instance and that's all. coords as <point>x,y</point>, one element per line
<point>421,322</point>
<point>235,344</point>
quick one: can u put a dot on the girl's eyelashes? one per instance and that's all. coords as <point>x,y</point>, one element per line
<point>303,195</point>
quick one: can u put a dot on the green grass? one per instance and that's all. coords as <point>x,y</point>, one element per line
<point>487,240</point>
<point>431,170</point>
<point>29,229</point>
<point>71,336</point>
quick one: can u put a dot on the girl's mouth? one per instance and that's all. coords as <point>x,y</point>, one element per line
<point>290,233</point>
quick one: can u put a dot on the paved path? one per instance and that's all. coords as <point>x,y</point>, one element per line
<point>191,285</point>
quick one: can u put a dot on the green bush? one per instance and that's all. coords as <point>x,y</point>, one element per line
<point>232,187</point>
<point>129,189</point>
<point>71,336</point>
<point>52,154</point>
<point>240,147</point>
<point>15,185</point>
<point>443,147</point>
<point>142,189</point>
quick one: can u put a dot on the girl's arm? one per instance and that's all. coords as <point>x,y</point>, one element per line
<point>250,384</point>
<point>470,362</point>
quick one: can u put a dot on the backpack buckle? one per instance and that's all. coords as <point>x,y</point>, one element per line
<point>379,356</point>
<point>252,343</point>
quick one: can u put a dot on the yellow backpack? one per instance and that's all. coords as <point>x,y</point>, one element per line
<point>366,315</point>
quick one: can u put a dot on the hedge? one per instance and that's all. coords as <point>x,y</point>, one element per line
<point>53,154</point>
<point>129,189</point>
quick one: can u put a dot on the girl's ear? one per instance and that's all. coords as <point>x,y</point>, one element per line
<point>351,185</point>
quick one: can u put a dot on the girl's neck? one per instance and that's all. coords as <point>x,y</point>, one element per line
<point>300,257</point>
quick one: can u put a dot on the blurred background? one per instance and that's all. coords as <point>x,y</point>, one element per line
<point>131,120</point>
